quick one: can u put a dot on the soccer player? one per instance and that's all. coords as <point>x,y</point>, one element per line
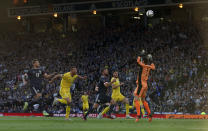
<point>36,77</point>
<point>66,83</point>
<point>85,103</point>
<point>141,90</point>
<point>116,94</point>
<point>102,98</point>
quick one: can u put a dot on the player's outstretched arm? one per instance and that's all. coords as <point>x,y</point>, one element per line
<point>139,61</point>
<point>48,76</point>
<point>82,77</point>
<point>152,66</point>
<point>107,84</point>
<point>55,77</point>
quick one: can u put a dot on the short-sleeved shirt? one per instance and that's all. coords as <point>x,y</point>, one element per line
<point>116,91</point>
<point>36,77</point>
<point>85,99</point>
<point>67,80</point>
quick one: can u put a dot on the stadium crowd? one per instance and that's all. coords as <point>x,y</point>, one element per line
<point>179,83</point>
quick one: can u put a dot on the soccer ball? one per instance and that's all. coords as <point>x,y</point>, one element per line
<point>150,13</point>
<point>143,52</point>
<point>149,56</point>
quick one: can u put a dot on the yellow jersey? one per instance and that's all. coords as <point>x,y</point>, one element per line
<point>67,80</point>
<point>85,99</point>
<point>116,91</point>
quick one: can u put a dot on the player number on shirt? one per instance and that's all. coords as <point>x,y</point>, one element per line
<point>37,74</point>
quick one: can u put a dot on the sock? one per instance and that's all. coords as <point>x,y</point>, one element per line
<point>83,111</point>
<point>63,101</point>
<point>105,110</point>
<point>142,107</point>
<point>89,111</point>
<point>127,109</point>
<point>137,107</point>
<point>46,102</point>
<point>42,104</point>
<point>31,103</point>
<point>147,107</point>
<point>131,107</point>
<point>67,112</point>
<point>111,109</point>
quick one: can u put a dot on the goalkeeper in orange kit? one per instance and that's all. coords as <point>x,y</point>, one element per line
<point>141,90</point>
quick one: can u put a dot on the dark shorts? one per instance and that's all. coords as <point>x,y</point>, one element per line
<point>36,90</point>
<point>102,99</point>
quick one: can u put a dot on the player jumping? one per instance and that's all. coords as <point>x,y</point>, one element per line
<point>36,77</point>
<point>116,94</point>
<point>101,97</point>
<point>141,90</point>
<point>66,83</point>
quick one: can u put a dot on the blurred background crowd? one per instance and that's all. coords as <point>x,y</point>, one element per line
<point>179,83</point>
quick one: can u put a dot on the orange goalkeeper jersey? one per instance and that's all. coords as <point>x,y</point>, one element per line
<point>143,75</point>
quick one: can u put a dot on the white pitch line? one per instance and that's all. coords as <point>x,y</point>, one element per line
<point>198,129</point>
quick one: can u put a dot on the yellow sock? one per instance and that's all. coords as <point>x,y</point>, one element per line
<point>67,112</point>
<point>127,109</point>
<point>105,110</point>
<point>142,107</point>
<point>63,101</point>
<point>131,107</point>
<point>84,111</point>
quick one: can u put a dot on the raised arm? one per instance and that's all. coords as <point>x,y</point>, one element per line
<point>152,66</point>
<point>139,61</point>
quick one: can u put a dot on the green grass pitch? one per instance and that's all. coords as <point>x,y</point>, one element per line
<point>77,124</point>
